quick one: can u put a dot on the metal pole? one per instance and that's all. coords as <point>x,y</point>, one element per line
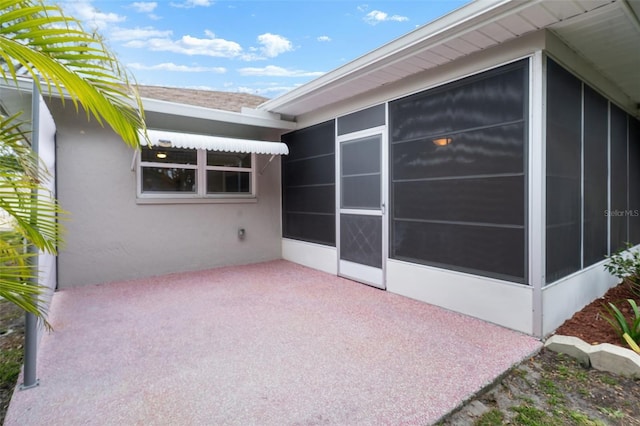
<point>30,352</point>
<point>31,321</point>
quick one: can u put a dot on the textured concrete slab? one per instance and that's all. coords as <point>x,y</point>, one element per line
<point>266,344</point>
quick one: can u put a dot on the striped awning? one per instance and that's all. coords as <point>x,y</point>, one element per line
<point>167,139</point>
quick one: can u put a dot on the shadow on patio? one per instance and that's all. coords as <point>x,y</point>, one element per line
<point>270,343</point>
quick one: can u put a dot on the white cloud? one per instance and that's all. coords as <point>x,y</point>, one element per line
<point>189,4</point>
<point>144,6</point>
<point>189,45</point>
<point>275,71</point>
<point>324,38</point>
<point>375,17</point>
<point>170,66</point>
<point>133,34</point>
<point>91,18</point>
<point>273,45</point>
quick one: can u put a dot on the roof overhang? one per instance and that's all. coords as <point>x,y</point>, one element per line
<point>165,139</point>
<point>15,97</point>
<point>15,92</point>
<point>247,117</point>
<point>605,33</point>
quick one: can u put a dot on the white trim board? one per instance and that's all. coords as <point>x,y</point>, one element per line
<point>567,296</point>
<point>500,302</point>
<point>316,256</point>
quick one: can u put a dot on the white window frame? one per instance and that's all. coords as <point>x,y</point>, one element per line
<point>200,195</point>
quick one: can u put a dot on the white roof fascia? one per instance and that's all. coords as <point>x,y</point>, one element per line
<point>447,23</point>
<point>193,111</point>
<point>19,83</point>
<point>257,119</point>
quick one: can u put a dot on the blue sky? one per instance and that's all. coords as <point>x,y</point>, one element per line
<point>255,46</point>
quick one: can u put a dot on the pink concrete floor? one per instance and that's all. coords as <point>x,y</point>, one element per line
<point>265,344</point>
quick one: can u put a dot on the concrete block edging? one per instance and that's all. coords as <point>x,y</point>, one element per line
<point>604,356</point>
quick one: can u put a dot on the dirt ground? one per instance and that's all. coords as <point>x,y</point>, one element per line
<point>548,389</point>
<point>553,389</point>
<point>11,351</point>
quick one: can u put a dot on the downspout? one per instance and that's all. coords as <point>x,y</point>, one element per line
<point>31,321</point>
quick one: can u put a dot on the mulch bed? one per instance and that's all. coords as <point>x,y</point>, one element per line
<point>590,325</point>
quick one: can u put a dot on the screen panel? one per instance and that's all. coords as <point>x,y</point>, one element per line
<point>618,169</point>
<point>486,99</point>
<point>361,239</point>
<point>318,170</point>
<point>312,227</point>
<point>318,199</point>
<point>596,151</point>
<point>498,200</point>
<point>360,173</point>
<point>310,142</point>
<point>634,181</point>
<point>362,120</point>
<point>308,185</point>
<point>457,157</point>
<point>494,150</point>
<point>467,247</point>
<point>563,187</point>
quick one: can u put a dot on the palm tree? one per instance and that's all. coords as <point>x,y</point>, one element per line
<point>39,41</point>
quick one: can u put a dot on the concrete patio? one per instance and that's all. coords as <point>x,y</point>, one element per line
<point>265,344</point>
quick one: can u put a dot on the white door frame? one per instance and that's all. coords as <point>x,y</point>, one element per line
<point>363,273</point>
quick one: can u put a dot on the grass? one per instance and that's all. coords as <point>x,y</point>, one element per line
<point>555,397</point>
<point>10,364</point>
<point>584,420</point>
<point>493,417</point>
<point>531,416</point>
<point>556,410</point>
<point>616,414</point>
<point>609,381</point>
<point>11,352</point>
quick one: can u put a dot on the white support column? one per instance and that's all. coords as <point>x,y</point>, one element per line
<point>536,185</point>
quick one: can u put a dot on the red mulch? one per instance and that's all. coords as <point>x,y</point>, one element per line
<point>589,323</point>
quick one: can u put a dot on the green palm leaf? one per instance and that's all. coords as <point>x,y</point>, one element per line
<point>54,49</point>
<point>40,41</point>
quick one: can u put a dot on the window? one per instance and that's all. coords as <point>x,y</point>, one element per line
<point>195,173</point>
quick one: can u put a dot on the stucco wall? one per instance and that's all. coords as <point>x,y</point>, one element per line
<point>109,237</point>
<point>46,150</point>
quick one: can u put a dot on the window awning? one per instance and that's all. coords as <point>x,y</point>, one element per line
<point>167,139</point>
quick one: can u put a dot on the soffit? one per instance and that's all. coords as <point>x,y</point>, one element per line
<point>609,39</point>
<point>478,26</point>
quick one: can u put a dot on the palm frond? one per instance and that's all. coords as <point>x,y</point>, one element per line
<point>54,48</point>
<point>16,274</point>
<point>34,217</point>
<point>37,39</point>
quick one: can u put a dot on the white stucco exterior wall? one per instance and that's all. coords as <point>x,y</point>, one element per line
<point>109,237</point>
<point>47,152</point>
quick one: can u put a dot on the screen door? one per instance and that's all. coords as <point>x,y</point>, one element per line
<point>361,210</point>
